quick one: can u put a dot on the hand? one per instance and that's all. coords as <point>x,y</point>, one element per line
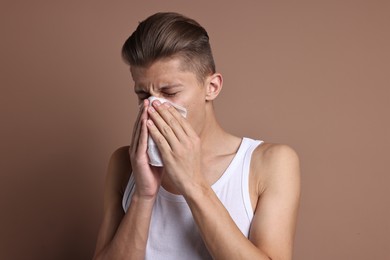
<point>147,177</point>
<point>178,144</point>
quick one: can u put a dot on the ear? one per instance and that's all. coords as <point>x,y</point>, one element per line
<point>213,86</point>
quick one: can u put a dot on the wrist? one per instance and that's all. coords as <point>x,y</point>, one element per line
<point>197,191</point>
<point>142,198</point>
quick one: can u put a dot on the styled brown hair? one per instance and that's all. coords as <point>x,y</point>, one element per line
<point>165,35</point>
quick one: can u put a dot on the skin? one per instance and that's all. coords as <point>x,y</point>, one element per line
<point>196,151</point>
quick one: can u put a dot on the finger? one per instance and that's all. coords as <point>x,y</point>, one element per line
<point>142,115</point>
<point>158,138</point>
<point>181,120</point>
<point>164,129</point>
<point>135,127</point>
<point>172,118</point>
<point>143,137</point>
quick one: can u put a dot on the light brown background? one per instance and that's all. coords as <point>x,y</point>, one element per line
<point>311,74</point>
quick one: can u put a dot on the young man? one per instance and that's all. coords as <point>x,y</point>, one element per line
<point>217,196</point>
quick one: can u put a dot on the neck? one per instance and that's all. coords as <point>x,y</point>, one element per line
<point>214,139</point>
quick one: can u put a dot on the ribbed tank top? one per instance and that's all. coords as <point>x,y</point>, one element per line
<point>173,233</point>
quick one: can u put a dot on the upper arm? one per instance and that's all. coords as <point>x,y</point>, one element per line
<point>116,179</point>
<point>273,225</point>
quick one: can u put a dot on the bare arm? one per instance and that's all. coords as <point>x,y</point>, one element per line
<point>273,225</point>
<point>117,175</point>
<point>124,236</point>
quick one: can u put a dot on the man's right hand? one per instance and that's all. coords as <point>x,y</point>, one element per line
<point>147,177</point>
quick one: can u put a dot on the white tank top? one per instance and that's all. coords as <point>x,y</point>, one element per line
<point>173,233</point>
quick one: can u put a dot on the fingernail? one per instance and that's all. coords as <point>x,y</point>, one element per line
<point>152,110</point>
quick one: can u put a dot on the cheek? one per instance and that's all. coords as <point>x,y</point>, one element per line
<point>195,113</point>
<point>194,102</point>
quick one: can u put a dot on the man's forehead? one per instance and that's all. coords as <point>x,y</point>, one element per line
<point>164,72</point>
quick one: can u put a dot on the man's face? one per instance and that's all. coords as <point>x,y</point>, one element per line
<point>166,79</point>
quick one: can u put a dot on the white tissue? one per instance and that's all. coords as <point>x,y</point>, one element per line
<point>153,152</point>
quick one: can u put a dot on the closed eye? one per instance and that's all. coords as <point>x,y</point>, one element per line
<point>142,94</point>
<point>171,90</point>
<point>170,94</point>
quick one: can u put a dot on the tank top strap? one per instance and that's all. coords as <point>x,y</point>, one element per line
<point>252,144</point>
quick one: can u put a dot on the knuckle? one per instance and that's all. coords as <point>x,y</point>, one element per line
<point>191,144</point>
<point>171,109</point>
<point>196,141</point>
<point>160,140</point>
<point>186,143</point>
<point>165,130</point>
<point>172,121</point>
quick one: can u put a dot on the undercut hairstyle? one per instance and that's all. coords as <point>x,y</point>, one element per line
<point>170,35</point>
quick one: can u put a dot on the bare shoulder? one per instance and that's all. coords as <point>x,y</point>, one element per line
<point>121,155</point>
<point>272,153</point>
<point>272,162</point>
<point>122,150</point>
<point>276,169</point>
<point>118,173</point>
<point>119,169</point>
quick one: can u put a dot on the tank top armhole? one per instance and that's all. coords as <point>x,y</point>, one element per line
<point>128,193</point>
<point>245,179</point>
